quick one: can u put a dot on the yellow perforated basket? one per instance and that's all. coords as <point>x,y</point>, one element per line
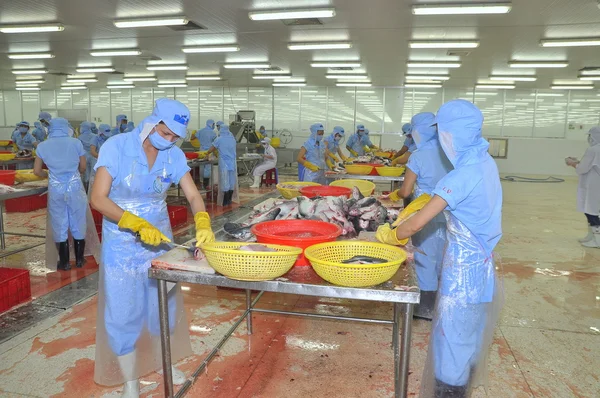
<point>365,187</point>
<point>7,156</point>
<point>359,169</point>
<point>326,259</point>
<point>390,171</point>
<point>26,176</point>
<point>289,193</point>
<point>227,259</point>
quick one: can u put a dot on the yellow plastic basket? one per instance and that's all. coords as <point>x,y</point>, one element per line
<point>7,156</point>
<point>289,193</point>
<point>383,154</point>
<point>358,169</point>
<point>26,176</point>
<point>227,259</point>
<point>390,171</point>
<point>365,187</point>
<point>326,259</point>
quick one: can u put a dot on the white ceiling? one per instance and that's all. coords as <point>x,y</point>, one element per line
<point>379,30</point>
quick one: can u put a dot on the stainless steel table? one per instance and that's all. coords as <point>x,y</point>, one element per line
<point>249,163</point>
<point>5,163</point>
<point>392,180</point>
<point>23,191</point>
<point>302,281</point>
<point>196,164</point>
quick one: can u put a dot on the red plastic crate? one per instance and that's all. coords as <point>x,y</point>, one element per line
<point>26,204</point>
<point>177,215</point>
<point>15,287</point>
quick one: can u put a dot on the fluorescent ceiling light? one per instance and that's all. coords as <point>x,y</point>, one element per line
<point>31,28</point>
<point>280,76</point>
<point>172,81</point>
<point>292,80</point>
<point>139,79</point>
<point>270,72</point>
<point>453,9</point>
<point>73,87</point>
<point>289,84</point>
<point>97,69</point>
<point>28,71</point>
<point>171,85</point>
<point>346,76</point>
<point>443,44</point>
<point>427,77</point>
<point>292,14</point>
<point>320,45</point>
<point>30,55</point>
<point>27,88</point>
<point>144,22</point>
<point>571,87</point>
<point>192,77</point>
<point>26,82</point>
<point>577,42</point>
<point>211,49</point>
<point>120,86</point>
<point>591,77</point>
<point>335,64</point>
<point>246,65</point>
<point>351,84</point>
<point>88,80</point>
<point>433,64</point>
<point>546,95</point>
<point>589,72</point>
<point>495,86</point>
<point>514,78</point>
<point>167,67</point>
<point>538,64</point>
<point>422,85</point>
<point>114,53</point>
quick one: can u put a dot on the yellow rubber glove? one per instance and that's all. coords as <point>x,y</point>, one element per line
<point>412,208</point>
<point>204,233</point>
<point>344,158</point>
<point>333,157</point>
<point>311,167</point>
<point>395,196</point>
<point>385,234</point>
<point>330,163</point>
<point>367,148</point>
<point>202,154</point>
<point>149,234</point>
<point>353,152</point>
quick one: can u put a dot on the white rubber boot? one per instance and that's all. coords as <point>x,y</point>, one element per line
<point>178,376</point>
<point>595,241</point>
<point>256,182</point>
<point>131,388</point>
<point>588,237</point>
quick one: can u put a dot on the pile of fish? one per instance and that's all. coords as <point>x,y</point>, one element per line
<point>353,215</point>
<point>372,159</point>
<point>24,153</point>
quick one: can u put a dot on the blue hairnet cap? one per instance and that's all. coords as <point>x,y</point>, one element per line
<point>23,123</point>
<point>105,128</point>
<point>174,114</point>
<point>120,118</point>
<point>460,110</point>
<point>423,119</point>
<point>59,124</point>
<point>93,124</point>
<point>407,128</point>
<point>37,124</point>
<point>339,130</point>
<point>316,127</point>
<point>220,123</point>
<point>209,123</point>
<point>367,131</point>
<point>360,127</point>
<point>45,115</point>
<point>85,127</point>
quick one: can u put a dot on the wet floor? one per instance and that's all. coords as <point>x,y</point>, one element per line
<point>546,343</point>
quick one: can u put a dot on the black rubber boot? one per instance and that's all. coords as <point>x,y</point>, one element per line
<point>230,197</point>
<point>443,390</point>
<point>227,198</point>
<point>79,250</point>
<point>424,310</point>
<point>63,256</point>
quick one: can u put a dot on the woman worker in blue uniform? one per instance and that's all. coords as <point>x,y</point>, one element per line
<point>25,141</point>
<point>206,136</point>
<point>67,203</point>
<point>408,147</point>
<point>424,170</point>
<point>332,147</point>
<point>226,144</point>
<point>312,155</point>
<point>39,133</point>
<point>355,145</point>
<point>368,146</point>
<point>469,292</point>
<point>133,173</point>
<point>104,133</point>
<point>88,139</point>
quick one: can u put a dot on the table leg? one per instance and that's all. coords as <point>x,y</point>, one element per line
<point>396,325</point>
<point>2,241</point>
<point>165,337</point>
<point>248,306</point>
<point>402,353</point>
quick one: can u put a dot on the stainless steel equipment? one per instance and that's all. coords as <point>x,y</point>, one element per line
<point>244,126</point>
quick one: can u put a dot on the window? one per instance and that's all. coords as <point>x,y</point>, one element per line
<point>551,114</point>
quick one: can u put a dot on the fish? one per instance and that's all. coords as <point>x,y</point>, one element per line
<point>306,207</point>
<point>363,224</point>
<point>257,248</point>
<point>268,216</point>
<point>286,208</point>
<point>356,194</point>
<point>382,215</point>
<point>238,231</point>
<point>364,260</point>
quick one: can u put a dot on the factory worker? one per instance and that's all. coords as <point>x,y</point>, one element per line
<point>44,118</point>
<point>39,133</point>
<point>332,147</point>
<point>312,155</point>
<point>88,139</point>
<point>130,126</point>
<point>262,132</point>
<point>269,162</point>
<point>67,203</point>
<point>25,141</point>
<point>94,128</point>
<point>133,174</point>
<point>206,136</point>
<point>408,147</point>
<point>469,297</point>
<point>588,191</point>
<point>425,168</point>
<point>104,133</point>
<point>121,125</point>
<point>354,144</point>
<point>366,142</point>
<point>226,144</point>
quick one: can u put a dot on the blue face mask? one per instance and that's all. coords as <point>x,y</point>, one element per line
<point>23,129</point>
<point>319,138</point>
<point>159,142</point>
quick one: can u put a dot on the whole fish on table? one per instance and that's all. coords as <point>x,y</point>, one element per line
<point>364,260</point>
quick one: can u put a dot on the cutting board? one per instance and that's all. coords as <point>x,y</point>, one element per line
<point>181,259</point>
<point>367,236</point>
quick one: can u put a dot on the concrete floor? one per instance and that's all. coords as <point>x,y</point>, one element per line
<point>546,344</point>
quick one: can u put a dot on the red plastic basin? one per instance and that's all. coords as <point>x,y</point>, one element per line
<point>191,155</point>
<point>374,172</point>
<point>324,190</point>
<point>297,233</point>
<point>7,177</point>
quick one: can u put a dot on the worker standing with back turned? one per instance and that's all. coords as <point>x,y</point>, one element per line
<point>133,174</point>
<point>470,292</point>
<point>206,136</point>
<point>226,144</point>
